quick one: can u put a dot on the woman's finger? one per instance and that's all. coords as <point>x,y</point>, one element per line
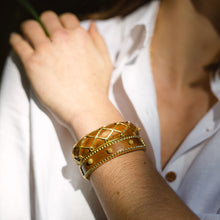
<point>34,33</point>
<point>51,22</point>
<point>98,41</point>
<point>21,46</point>
<point>69,21</point>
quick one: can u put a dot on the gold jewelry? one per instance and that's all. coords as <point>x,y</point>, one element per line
<point>105,144</point>
<point>109,151</point>
<point>102,136</point>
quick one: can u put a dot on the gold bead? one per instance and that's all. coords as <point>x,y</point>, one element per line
<point>90,148</point>
<point>109,151</point>
<point>90,161</point>
<point>131,142</point>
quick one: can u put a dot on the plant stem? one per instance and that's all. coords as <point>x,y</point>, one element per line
<point>33,12</point>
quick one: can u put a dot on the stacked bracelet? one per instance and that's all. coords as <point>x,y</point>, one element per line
<point>106,143</point>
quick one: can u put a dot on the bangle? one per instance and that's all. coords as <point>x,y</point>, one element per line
<point>104,144</point>
<point>102,136</point>
<point>110,151</point>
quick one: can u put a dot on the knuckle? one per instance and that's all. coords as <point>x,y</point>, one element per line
<point>61,35</point>
<point>19,46</point>
<point>60,32</point>
<point>28,24</point>
<point>82,38</point>
<point>42,48</point>
<point>47,14</point>
<point>35,61</point>
<point>69,15</point>
<point>81,33</point>
<point>31,62</point>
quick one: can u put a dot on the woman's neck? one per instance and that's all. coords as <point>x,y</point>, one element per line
<point>185,43</point>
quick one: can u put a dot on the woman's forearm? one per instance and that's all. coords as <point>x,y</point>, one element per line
<point>129,187</point>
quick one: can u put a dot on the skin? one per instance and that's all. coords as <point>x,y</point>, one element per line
<point>74,66</point>
<point>179,62</point>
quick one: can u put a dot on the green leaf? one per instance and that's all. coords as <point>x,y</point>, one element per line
<point>33,12</point>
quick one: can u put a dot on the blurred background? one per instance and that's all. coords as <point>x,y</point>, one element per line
<point>12,14</point>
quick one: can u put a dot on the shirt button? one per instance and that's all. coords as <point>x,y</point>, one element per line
<point>170,176</point>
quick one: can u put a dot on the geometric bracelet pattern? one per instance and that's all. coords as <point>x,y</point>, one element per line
<point>104,144</point>
<point>110,151</point>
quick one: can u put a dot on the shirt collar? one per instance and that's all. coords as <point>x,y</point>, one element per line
<point>145,17</point>
<point>137,31</point>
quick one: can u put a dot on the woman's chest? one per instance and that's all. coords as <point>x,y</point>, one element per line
<point>178,116</point>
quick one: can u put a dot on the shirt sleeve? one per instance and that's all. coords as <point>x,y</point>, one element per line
<point>14,143</point>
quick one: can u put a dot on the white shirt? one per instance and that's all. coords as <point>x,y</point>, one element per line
<point>38,178</point>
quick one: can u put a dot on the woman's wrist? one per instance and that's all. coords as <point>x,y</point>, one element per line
<point>90,118</point>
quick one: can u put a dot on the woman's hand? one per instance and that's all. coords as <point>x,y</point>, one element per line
<point>70,71</point>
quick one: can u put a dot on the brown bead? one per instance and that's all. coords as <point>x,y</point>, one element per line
<point>171,176</point>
